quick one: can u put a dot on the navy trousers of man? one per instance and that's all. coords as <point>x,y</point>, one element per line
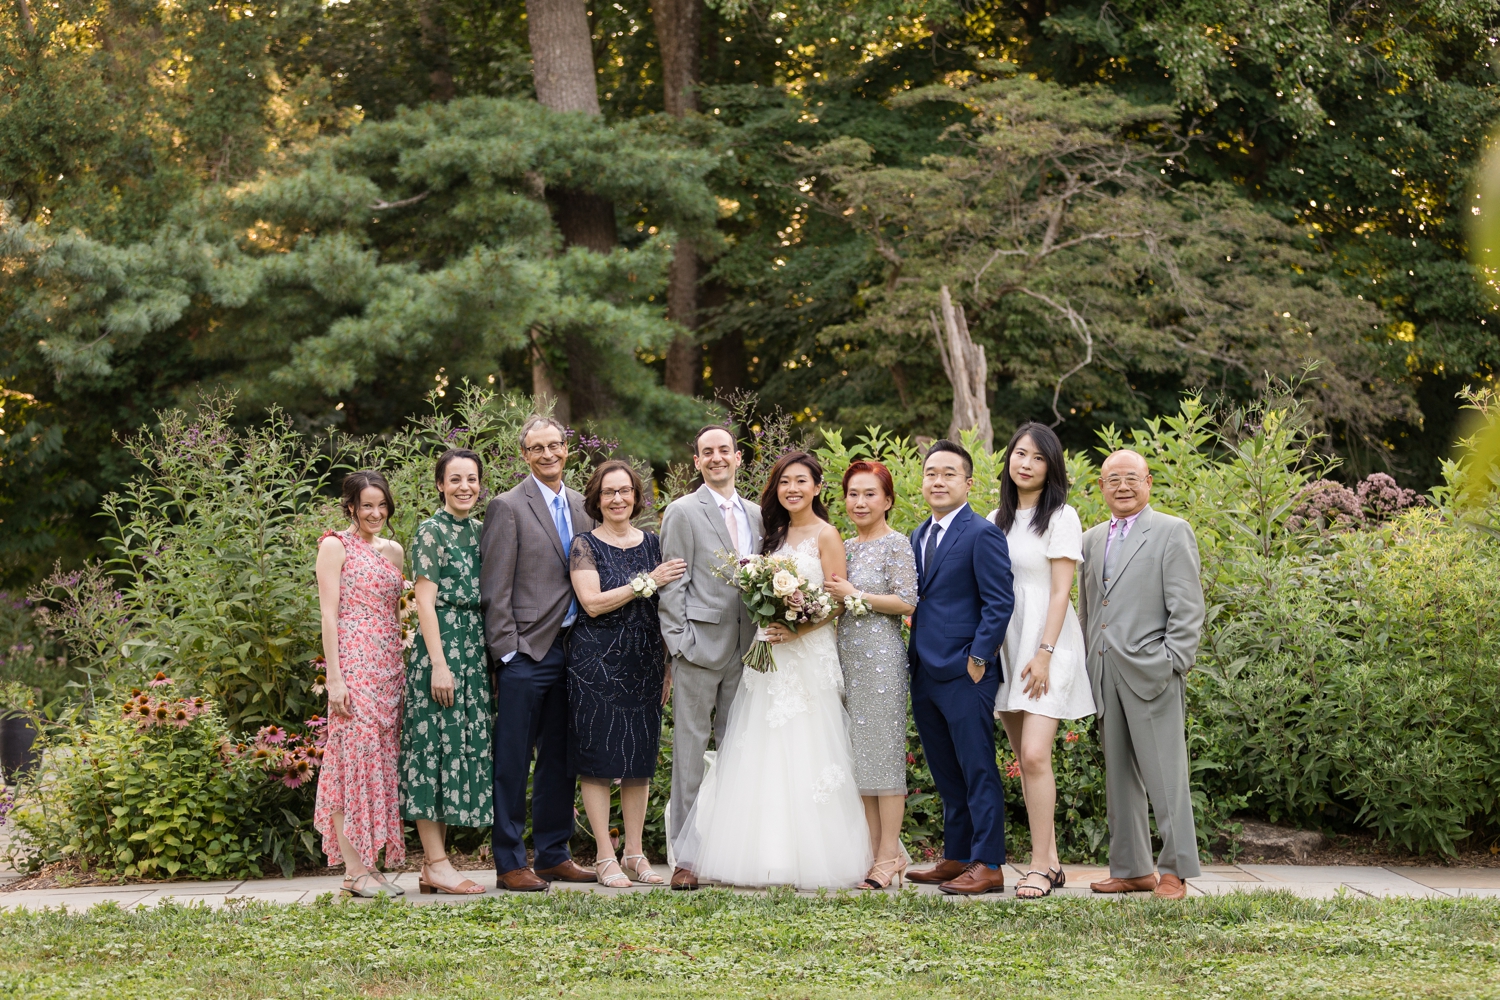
<point>956,721</point>
<point>531,716</point>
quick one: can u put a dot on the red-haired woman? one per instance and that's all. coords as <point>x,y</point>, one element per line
<point>883,574</point>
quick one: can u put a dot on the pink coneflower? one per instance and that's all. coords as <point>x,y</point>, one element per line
<point>320,684</point>
<point>271,734</point>
<point>262,753</point>
<point>161,680</point>
<point>160,714</point>
<point>316,722</point>
<point>297,774</point>
<point>180,718</point>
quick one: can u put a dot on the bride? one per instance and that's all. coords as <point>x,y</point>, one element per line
<point>779,805</point>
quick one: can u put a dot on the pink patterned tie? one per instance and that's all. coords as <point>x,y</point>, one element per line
<point>733,525</point>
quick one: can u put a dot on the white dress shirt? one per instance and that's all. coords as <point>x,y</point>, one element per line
<point>742,539</point>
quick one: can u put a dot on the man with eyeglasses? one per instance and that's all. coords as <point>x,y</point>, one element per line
<point>527,596</point>
<point>1141,608</point>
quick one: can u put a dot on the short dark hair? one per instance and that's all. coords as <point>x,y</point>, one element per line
<point>943,444</point>
<point>726,428</point>
<point>355,483</point>
<point>447,457</point>
<point>591,492</point>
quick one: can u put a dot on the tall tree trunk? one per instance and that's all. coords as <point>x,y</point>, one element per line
<point>562,68</point>
<point>967,370</point>
<point>678,27</point>
<point>26,24</point>
<point>562,55</point>
<point>435,48</point>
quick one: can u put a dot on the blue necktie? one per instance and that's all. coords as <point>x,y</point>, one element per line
<point>560,518</point>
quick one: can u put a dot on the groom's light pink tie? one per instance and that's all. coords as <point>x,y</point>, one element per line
<point>732,524</point>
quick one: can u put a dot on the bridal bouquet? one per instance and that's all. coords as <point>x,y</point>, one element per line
<point>774,591</point>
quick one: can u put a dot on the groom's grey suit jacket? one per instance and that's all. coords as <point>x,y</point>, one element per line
<point>703,619</point>
<point>1147,620</point>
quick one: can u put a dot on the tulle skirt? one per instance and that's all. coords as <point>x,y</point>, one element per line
<point>778,804</point>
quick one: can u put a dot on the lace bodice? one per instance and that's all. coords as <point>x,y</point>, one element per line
<point>809,562</point>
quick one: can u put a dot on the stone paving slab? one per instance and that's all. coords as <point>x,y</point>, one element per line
<point>1309,881</point>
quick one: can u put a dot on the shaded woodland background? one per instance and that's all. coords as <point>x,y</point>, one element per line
<point>337,208</point>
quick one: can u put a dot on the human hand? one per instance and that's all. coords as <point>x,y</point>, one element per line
<point>1036,674</point>
<point>669,571</point>
<point>442,685</point>
<point>666,687</point>
<point>976,669</point>
<point>839,587</point>
<point>338,696</point>
<point>777,633</point>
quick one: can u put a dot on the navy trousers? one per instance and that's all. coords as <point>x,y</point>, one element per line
<point>531,716</point>
<point>956,721</point>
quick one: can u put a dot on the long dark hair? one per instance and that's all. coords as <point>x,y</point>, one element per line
<point>1054,489</point>
<point>776,518</point>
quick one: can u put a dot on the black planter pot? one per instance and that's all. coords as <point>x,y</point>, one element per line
<point>17,754</point>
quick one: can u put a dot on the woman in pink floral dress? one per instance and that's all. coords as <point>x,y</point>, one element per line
<point>359,587</point>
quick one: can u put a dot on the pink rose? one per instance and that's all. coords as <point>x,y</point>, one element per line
<point>795,599</point>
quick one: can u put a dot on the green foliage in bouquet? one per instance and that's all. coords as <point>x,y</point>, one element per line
<point>157,787</point>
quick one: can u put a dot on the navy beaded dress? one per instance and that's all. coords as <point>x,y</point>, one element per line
<point>616,666</point>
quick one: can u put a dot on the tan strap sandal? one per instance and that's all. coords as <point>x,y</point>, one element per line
<point>426,886</point>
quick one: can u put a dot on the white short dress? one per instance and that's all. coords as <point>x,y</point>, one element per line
<point>1068,693</point>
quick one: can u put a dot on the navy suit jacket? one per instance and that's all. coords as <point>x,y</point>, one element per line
<point>965,598</point>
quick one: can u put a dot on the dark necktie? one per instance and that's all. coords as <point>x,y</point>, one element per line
<point>929,551</point>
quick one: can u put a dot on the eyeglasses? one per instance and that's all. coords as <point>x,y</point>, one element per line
<point>1115,482</point>
<point>623,493</point>
<point>555,447</point>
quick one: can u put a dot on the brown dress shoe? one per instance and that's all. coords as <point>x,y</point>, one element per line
<point>684,880</point>
<point>977,879</point>
<point>568,871</point>
<point>1145,883</point>
<point>1170,887</point>
<point>520,880</point>
<point>943,871</point>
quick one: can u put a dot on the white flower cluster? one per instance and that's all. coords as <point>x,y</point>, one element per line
<point>856,605</point>
<point>644,584</point>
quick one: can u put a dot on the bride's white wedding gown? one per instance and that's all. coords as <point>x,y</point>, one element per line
<point>779,806</point>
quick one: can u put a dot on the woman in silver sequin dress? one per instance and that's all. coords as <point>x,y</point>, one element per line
<point>873,657</point>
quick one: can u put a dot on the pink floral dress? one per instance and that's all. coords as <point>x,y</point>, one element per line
<point>359,776</point>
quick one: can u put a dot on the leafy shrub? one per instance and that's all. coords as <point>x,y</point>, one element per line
<point>27,656</point>
<point>159,788</point>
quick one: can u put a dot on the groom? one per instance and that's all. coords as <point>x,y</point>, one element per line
<point>704,622</point>
<point>964,601</point>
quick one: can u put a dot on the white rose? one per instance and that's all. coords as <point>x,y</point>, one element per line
<point>791,616</point>
<point>783,583</point>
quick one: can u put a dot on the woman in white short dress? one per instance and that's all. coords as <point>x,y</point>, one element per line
<point>1045,677</point>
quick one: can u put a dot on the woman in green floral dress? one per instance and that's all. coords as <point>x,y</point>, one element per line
<point>446,765</point>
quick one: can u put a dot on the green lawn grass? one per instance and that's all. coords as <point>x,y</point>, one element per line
<point>718,944</point>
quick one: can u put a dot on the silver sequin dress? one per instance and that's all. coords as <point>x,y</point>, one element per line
<point>873,658</point>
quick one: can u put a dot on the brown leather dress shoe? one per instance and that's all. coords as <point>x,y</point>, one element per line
<point>943,871</point>
<point>1170,887</point>
<point>568,871</point>
<point>519,880</point>
<point>684,880</point>
<point>1145,883</point>
<point>978,878</point>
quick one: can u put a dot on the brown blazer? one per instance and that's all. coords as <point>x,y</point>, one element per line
<point>524,585</point>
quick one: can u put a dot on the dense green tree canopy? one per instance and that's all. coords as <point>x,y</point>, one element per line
<point>189,192</point>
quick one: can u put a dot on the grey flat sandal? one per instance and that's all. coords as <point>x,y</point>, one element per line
<point>389,883</point>
<point>361,886</point>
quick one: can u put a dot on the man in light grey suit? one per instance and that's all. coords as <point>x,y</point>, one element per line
<point>527,597</point>
<point>703,619</point>
<point>1140,602</point>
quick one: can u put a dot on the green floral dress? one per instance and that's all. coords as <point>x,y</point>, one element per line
<point>447,768</point>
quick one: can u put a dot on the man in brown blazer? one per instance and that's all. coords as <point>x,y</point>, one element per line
<point>527,597</point>
<point>1140,602</point>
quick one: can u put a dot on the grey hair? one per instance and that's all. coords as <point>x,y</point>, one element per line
<point>538,420</point>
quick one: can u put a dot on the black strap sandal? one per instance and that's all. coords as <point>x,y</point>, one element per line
<point>1058,880</point>
<point>1034,892</point>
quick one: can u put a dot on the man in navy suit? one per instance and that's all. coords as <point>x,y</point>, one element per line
<point>963,608</point>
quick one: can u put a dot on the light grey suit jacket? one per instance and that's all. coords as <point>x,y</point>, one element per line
<point>524,585</point>
<point>703,619</point>
<point>1146,622</point>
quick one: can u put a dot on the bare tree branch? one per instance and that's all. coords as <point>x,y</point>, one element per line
<point>381,206</point>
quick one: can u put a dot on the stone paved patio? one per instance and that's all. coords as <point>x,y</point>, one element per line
<point>1303,880</point>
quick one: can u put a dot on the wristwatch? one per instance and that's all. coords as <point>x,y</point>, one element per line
<point>1050,649</point>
